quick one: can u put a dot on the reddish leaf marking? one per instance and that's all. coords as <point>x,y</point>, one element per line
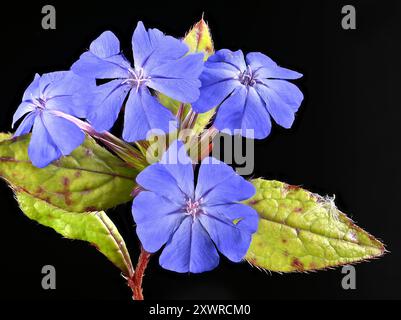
<point>297,264</point>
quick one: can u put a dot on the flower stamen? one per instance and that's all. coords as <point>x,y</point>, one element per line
<point>39,103</point>
<point>137,78</point>
<point>193,208</point>
<point>247,77</point>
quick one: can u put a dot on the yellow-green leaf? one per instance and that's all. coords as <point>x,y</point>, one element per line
<point>301,231</point>
<point>93,227</point>
<point>5,136</point>
<point>91,178</point>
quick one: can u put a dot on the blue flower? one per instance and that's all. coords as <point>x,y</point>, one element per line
<point>46,103</point>
<point>193,222</point>
<point>160,63</point>
<point>247,91</point>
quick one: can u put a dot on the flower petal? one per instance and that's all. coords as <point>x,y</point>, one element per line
<point>157,179</point>
<point>183,90</point>
<point>287,91</point>
<point>177,162</point>
<point>178,79</point>
<point>190,249</point>
<point>152,48</point>
<point>150,207</point>
<point>188,67</point>
<point>230,239</point>
<point>33,89</point>
<point>26,125</point>
<point>42,150</point>
<point>69,94</point>
<point>244,112</point>
<point>67,104</point>
<point>213,95</point>
<point>23,108</point>
<point>281,112</point>
<point>219,78</point>
<point>156,218</point>
<point>229,114</point>
<point>51,80</point>
<point>65,134</point>
<point>91,66</point>
<point>214,72</point>
<point>63,83</point>
<point>256,122</point>
<point>243,216</point>
<point>265,67</point>
<point>218,183</point>
<point>144,114</point>
<point>106,45</point>
<point>103,60</point>
<point>142,46</point>
<point>108,99</point>
<point>233,58</point>
<point>172,177</point>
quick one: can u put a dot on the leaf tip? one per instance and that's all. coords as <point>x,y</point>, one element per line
<point>199,38</point>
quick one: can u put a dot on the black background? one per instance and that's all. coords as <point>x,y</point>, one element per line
<point>345,141</point>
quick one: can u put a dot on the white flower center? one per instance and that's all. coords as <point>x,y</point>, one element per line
<point>137,78</point>
<point>40,103</point>
<point>247,77</point>
<point>193,208</point>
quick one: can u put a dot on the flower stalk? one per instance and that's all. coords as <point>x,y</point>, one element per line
<point>201,146</point>
<point>135,282</point>
<point>124,150</point>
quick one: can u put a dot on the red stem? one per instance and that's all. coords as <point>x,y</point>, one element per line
<point>135,282</point>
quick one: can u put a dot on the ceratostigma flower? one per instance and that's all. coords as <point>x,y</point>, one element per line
<point>193,221</point>
<point>160,63</point>
<point>248,90</point>
<point>44,103</point>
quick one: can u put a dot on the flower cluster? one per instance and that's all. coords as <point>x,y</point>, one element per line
<point>246,92</point>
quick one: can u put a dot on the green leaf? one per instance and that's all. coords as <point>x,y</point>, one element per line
<point>5,136</point>
<point>301,231</point>
<point>90,179</point>
<point>93,227</point>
